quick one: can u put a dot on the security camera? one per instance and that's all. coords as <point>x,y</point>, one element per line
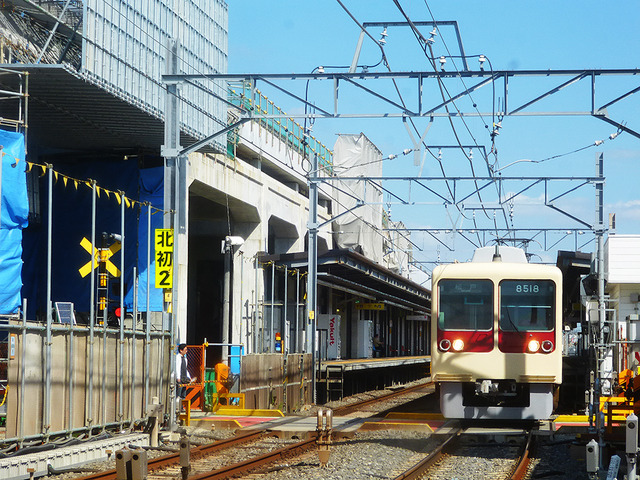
<point>235,241</point>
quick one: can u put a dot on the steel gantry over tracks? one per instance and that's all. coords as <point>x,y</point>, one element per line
<point>504,80</point>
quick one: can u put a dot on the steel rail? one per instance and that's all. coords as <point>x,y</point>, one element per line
<point>355,406</point>
<point>173,458</point>
<point>521,468</point>
<point>419,469</point>
<point>256,462</point>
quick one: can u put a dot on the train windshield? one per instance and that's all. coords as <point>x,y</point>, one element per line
<point>465,305</point>
<point>527,305</point>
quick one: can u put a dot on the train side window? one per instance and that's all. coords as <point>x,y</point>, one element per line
<point>527,305</point>
<point>465,304</point>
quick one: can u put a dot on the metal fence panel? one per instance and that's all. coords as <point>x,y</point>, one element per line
<point>72,374</point>
<point>264,382</point>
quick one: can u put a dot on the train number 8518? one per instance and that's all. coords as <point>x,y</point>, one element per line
<point>527,288</point>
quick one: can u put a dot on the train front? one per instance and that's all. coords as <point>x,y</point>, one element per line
<point>497,339</point>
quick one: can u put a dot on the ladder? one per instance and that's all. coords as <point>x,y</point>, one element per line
<point>334,376</point>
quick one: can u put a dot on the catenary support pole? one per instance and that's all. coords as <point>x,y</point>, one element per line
<point>602,349</point>
<point>171,152</point>
<point>92,306</point>
<point>147,340</point>
<point>312,283</point>
<point>134,339</point>
<point>122,315</point>
<point>47,394</point>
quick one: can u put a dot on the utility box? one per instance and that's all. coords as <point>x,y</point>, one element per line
<point>329,327</point>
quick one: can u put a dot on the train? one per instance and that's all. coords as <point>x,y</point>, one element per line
<point>496,336</point>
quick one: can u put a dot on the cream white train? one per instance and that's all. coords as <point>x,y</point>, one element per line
<point>496,349</point>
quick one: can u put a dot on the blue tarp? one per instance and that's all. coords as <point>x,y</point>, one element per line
<point>71,223</point>
<point>152,191</point>
<point>71,215</point>
<point>13,218</point>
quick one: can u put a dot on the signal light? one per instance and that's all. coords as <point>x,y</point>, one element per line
<point>278,343</point>
<point>118,312</point>
<point>547,346</point>
<point>533,346</point>
<point>445,345</point>
<point>458,344</point>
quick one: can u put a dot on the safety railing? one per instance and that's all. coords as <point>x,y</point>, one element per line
<point>288,130</point>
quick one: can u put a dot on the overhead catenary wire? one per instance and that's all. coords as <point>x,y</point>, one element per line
<point>426,44</point>
<point>382,52</point>
<point>386,63</point>
<point>383,59</point>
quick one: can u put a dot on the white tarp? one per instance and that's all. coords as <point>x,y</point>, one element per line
<point>398,249</point>
<point>356,156</point>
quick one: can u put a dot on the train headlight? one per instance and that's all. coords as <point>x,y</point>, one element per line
<point>458,344</point>
<point>547,346</point>
<point>445,344</point>
<point>534,346</point>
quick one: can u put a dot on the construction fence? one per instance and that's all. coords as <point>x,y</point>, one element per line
<point>68,379</point>
<point>277,381</point>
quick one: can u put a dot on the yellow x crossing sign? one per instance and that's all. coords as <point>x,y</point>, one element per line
<point>101,255</point>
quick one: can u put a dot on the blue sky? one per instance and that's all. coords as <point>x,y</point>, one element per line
<point>283,36</point>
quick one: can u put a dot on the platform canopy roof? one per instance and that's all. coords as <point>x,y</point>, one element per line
<point>351,272</point>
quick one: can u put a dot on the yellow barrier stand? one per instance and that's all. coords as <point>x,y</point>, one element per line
<point>186,416</point>
<point>612,405</point>
<point>228,396</point>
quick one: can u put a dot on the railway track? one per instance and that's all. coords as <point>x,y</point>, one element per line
<point>207,463</point>
<point>259,454</point>
<point>172,459</point>
<point>363,404</point>
<point>455,459</point>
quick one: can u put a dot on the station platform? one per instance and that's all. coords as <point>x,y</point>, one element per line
<point>353,364</point>
<point>340,378</point>
<point>295,425</point>
<point>301,426</point>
